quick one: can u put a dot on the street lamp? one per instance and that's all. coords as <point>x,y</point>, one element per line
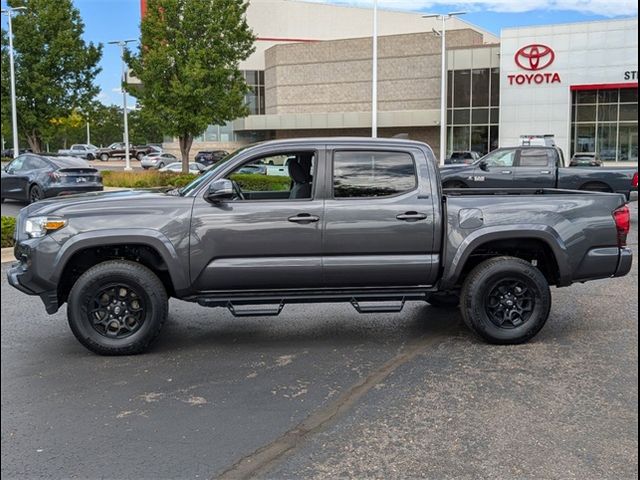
<point>374,85</point>
<point>14,113</point>
<point>123,44</point>
<point>443,80</point>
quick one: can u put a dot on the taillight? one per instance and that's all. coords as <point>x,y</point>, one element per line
<point>622,217</point>
<point>634,182</point>
<point>55,176</point>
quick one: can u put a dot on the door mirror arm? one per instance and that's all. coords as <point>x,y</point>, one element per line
<point>484,166</point>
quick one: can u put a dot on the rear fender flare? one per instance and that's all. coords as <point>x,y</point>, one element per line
<point>476,239</point>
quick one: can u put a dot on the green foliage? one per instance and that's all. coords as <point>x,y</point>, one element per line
<point>146,179</point>
<point>8,227</point>
<point>55,68</point>
<point>188,63</point>
<point>252,182</point>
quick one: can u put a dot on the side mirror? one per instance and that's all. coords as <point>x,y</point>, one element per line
<point>219,190</point>
<point>484,166</point>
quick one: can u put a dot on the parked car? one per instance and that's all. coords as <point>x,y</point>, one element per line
<point>194,167</point>
<point>209,157</point>
<point>118,150</point>
<point>157,160</point>
<point>81,150</point>
<point>254,169</point>
<point>8,152</point>
<point>589,159</point>
<point>364,221</point>
<point>464,157</point>
<point>32,177</point>
<point>537,167</point>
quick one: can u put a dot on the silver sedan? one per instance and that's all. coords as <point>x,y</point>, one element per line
<point>157,160</point>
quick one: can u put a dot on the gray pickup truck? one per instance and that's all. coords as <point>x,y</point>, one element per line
<point>537,167</point>
<point>358,220</point>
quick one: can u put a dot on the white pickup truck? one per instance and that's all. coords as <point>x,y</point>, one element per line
<point>81,150</point>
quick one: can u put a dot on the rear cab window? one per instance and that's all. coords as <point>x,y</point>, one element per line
<point>372,174</point>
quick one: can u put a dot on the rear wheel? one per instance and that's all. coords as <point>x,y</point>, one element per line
<point>35,194</point>
<point>160,165</point>
<point>140,156</point>
<point>505,300</point>
<point>117,308</point>
<point>454,184</point>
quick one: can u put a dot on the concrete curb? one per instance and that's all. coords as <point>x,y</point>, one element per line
<point>7,255</point>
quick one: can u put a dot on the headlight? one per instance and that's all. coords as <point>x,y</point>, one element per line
<point>39,226</point>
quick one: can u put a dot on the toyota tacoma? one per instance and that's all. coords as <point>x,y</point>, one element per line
<point>356,220</point>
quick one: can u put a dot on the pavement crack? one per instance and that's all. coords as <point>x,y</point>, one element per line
<point>264,459</point>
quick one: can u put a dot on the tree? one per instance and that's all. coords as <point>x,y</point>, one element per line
<point>54,66</point>
<point>144,127</point>
<point>188,62</point>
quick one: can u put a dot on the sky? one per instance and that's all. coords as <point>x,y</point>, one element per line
<point>108,20</point>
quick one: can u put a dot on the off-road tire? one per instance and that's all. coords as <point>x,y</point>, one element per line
<point>138,277</point>
<point>481,282</point>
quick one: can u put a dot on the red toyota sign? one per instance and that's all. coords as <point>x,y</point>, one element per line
<point>534,57</point>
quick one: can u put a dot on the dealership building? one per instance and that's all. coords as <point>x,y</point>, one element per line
<point>311,75</point>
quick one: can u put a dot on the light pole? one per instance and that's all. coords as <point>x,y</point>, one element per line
<point>14,113</point>
<point>443,80</point>
<point>374,84</point>
<point>88,133</point>
<point>123,44</point>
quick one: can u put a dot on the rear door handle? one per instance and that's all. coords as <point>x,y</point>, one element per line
<point>411,216</point>
<point>506,172</point>
<point>303,218</point>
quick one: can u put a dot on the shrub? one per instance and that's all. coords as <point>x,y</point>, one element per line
<point>252,182</point>
<point>146,179</point>
<point>8,227</point>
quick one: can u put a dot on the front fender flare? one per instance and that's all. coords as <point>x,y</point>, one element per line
<point>178,271</point>
<point>545,233</point>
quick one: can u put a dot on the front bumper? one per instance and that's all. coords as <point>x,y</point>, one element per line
<point>26,277</point>
<point>72,190</point>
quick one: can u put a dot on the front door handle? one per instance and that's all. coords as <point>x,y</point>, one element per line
<point>303,218</point>
<point>411,216</point>
<point>545,172</point>
<point>506,172</point>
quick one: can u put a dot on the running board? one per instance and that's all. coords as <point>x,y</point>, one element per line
<point>253,311</point>
<point>377,306</point>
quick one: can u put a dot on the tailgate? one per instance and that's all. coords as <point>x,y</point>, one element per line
<point>75,176</point>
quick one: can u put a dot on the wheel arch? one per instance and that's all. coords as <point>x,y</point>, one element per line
<point>151,249</point>
<point>519,241</point>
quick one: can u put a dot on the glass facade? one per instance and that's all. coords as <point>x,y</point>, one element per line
<point>606,121</point>
<point>473,97</point>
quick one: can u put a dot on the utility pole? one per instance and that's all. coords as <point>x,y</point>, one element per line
<point>14,113</point>
<point>374,85</point>
<point>123,44</point>
<point>443,80</point>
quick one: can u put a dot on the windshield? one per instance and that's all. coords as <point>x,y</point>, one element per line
<point>208,175</point>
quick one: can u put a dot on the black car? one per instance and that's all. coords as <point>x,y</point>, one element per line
<point>209,157</point>
<point>463,157</point>
<point>585,159</point>
<point>32,177</point>
<point>8,153</point>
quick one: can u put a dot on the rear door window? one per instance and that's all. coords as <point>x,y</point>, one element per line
<point>535,157</point>
<point>358,174</point>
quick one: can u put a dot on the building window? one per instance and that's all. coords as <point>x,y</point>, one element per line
<point>472,115</point>
<point>255,98</point>
<point>606,121</point>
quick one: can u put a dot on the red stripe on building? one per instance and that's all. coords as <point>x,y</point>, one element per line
<point>604,86</point>
<point>287,40</point>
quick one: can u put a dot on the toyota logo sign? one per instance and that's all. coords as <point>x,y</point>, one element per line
<point>535,57</point>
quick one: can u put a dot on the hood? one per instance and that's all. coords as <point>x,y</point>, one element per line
<point>95,201</point>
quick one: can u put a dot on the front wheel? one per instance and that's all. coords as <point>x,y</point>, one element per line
<point>117,308</point>
<point>104,157</point>
<point>505,300</point>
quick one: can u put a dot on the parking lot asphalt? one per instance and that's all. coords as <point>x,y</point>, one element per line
<point>322,392</point>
